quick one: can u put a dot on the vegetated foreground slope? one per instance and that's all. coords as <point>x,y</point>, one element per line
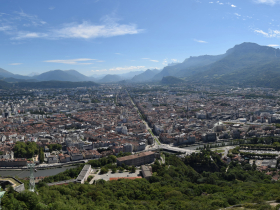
<point>174,185</point>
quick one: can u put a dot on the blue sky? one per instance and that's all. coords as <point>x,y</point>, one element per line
<point>118,36</point>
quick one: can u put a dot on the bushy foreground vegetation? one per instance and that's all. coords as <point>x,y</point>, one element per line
<point>174,185</point>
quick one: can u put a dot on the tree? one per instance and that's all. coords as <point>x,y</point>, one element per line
<point>41,155</point>
<point>25,150</point>
<point>133,169</point>
<point>89,178</point>
<point>104,170</point>
<point>114,170</point>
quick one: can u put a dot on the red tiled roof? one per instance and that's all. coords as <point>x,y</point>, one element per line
<point>131,178</point>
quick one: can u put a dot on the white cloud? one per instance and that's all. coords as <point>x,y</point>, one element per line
<point>165,62</point>
<point>15,64</point>
<point>72,61</point>
<point>118,53</point>
<point>108,27</point>
<point>101,70</point>
<point>237,14</point>
<point>233,5</point>
<point>6,28</point>
<point>27,34</point>
<point>269,34</point>
<point>51,8</point>
<point>200,41</point>
<point>87,30</point>
<point>273,45</point>
<point>174,60</point>
<point>270,2</point>
<point>150,59</point>
<point>129,68</point>
<point>32,19</point>
<point>261,32</point>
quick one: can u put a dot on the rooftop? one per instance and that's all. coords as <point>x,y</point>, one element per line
<point>142,154</point>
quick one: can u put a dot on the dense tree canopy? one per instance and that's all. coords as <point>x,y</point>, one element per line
<point>25,150</point>
<point>174,185</point>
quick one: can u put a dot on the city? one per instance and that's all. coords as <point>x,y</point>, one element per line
<point>134,105</point>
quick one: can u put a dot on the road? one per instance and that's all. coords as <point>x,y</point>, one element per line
<point>226,150</point>
<point>156,141</point>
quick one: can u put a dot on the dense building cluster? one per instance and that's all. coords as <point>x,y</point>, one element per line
<point>185,115</point>
<point>82,120</point>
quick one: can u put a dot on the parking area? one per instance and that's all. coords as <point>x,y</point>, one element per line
<point>109,175</point>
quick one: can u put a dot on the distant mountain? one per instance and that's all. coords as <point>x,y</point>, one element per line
<point>13,80</point>
<point>187,67</point>
<point>243,56</point>
<point>145,76</point>
<point>246,64</point>
<point>130,74</point>
<point>45,84</point>
<point>98,76</point>
<point>4,73</point>
<point>7,74</point>
<point>124,76</point>
<point>54,84</point>
<point>32,74</point>
<point>59,75</point>
<point>110,78</point>
<point>169,80</point>
<point>78,75</point>
<point>264,75</point>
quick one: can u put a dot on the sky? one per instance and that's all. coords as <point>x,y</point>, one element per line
<point>98,37</point>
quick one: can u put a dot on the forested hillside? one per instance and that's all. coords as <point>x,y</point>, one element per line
<point>174,185</point>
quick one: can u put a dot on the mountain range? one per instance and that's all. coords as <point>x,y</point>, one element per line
<point>244,64</point>
<point>66,75</point>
